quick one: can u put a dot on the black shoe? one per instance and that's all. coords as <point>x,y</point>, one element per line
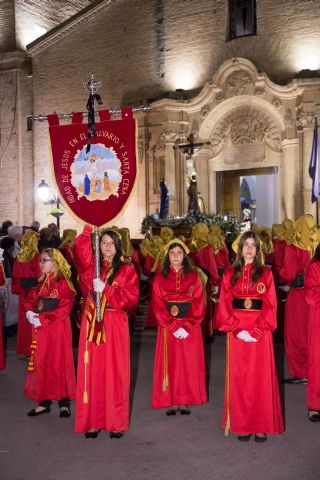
<point>295,380</point>
<point>116,434</point>
<point>92,434</point>
<point>244,438</point>
<point>65,412</point>
<point>184,411</point>
<point>34,413</point>
<point>314,417</point>
<point>260,438</point>
<point>171,411</point>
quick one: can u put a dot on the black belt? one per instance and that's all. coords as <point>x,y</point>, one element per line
<point>247,303</point>
<point>298,281</point>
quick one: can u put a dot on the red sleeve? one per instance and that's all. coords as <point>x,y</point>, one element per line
<point>84,259</point>
<point>62,311</point>
<point>159,308</point>
<point>312,284</point>
<point>124,291</point>
<point>268,318</point>
<point>226,320</point>
<point>196,313</point>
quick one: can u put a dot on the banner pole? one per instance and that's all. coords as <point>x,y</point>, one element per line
<point>113,111</point>
<point>97,259</point>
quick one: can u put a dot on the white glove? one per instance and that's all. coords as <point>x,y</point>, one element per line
<point>1,252</point>
<point>215,290</point>
<point>98,285</point>
<point>181,333</point>
<point>245,336</point>
<point>31,316</point>
<point>36,322</point>
<point>284,288</point>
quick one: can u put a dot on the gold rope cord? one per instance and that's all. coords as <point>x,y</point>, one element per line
<point>165,361</point>
<point>227,427</point>
<point>86,361</point>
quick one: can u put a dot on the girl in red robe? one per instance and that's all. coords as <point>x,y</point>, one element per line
<point>25,276</point>
<point>104,350</point>
<point>178,303</point>
<point>312,297</point>
<point>51,374</point>
<point>247,311</point>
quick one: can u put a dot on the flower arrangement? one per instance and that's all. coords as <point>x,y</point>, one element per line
<point>228,222</point>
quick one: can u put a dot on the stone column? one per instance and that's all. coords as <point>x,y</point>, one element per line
<point>290,201</point>
<point>305,126</point>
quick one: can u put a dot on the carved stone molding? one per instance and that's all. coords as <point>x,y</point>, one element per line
<point>204,111</point>
<point>304,120</point>
<point>141,147</point>
<point>238,82</point>
<point>246,127</point>
<point>276,102</point>
<point>288,118</point>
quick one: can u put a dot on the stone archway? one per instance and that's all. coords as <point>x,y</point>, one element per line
<point>245,133</point>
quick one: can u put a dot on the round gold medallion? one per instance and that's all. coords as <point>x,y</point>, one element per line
<point>247,303</point>
<point>261,288</point>
<point>174,310</point>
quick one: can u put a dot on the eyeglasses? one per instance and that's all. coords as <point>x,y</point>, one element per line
<point>44,260</point>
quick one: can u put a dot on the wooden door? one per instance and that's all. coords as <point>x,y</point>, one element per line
<point>230,194</point>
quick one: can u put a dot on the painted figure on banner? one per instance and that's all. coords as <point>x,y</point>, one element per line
<point>102,167</point>
<point>164,199</point>
<point>106,182</point>
<point>86,183</point>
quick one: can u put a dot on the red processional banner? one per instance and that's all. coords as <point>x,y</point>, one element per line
<point>96,185</point>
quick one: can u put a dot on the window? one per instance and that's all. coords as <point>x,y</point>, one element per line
<point>243,19</point>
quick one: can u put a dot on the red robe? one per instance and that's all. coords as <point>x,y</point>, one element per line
<point>106,376</point>
<point>53,375</point>
<point>252,401</point>
<point>205,259</point>
<point>22,270</point>
<point>185,358</point>
<point>279,247</point>
<point>296,327</point>
<point>312,297</point>
<point>2,284</point>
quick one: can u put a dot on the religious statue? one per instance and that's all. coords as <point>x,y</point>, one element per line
<point>164,199</point>
<point>192,192</point>
<point>201,206</point>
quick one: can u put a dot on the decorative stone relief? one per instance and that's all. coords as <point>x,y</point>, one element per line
<point>276,102</point>
<point>288,118</point>
<point>304,120</point>
<point>204,111</point>
<point>219,97</point>
<point>141,147</point>
<point>238,81</point>
<point>246,127</point>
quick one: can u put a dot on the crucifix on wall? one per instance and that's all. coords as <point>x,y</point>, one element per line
<point>191,176</point>
<point>188,148</point>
